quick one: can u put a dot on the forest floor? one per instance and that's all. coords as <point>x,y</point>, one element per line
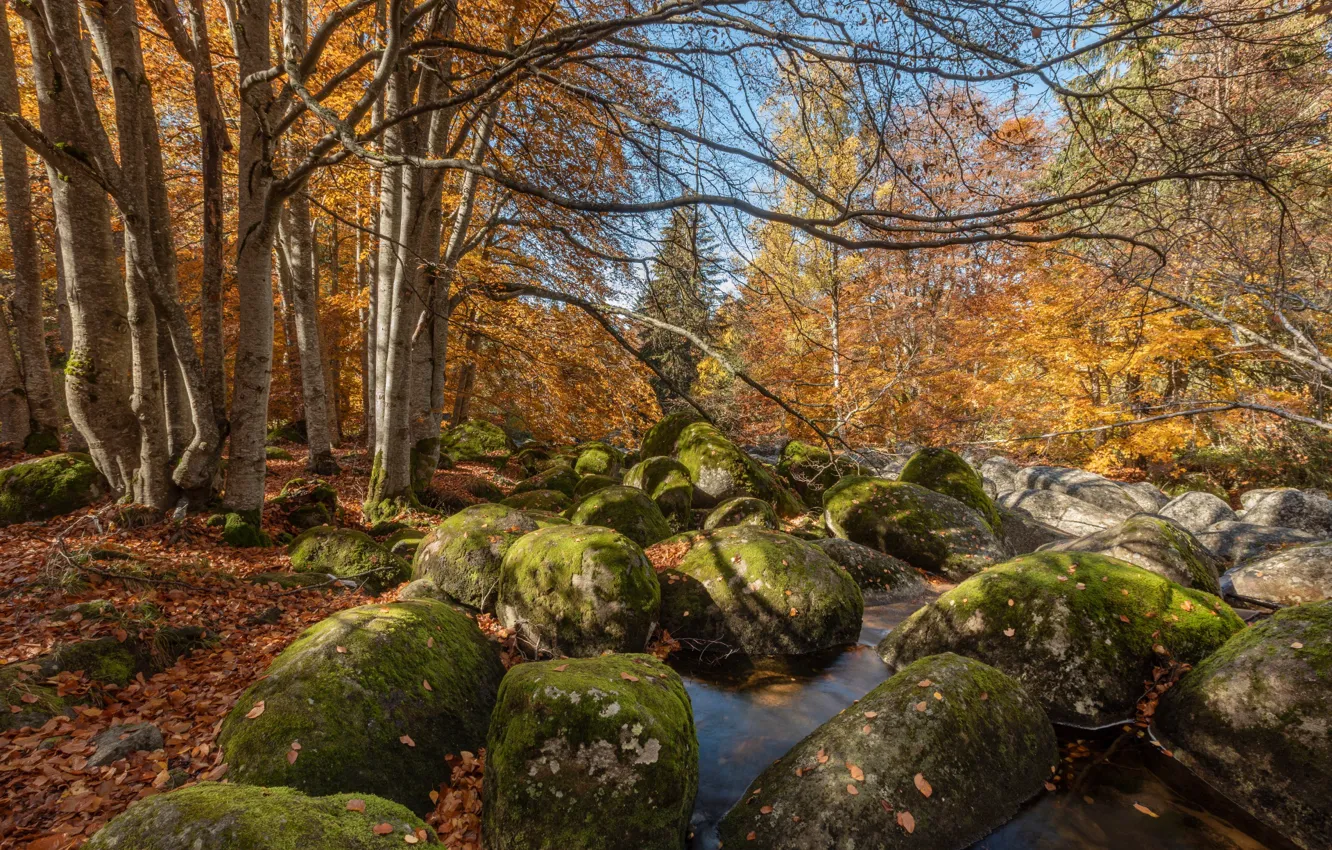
<point>52,799</point>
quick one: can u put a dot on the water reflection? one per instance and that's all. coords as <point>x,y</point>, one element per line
<point>748,714</point>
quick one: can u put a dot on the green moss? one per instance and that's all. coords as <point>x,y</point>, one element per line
<point>944,471</point>
<point>594,754</point>
<point>1157,545</point>
<point>721,471</point>
<point>660,438</point>
<point>1084,630</point>
<point>578,590</point>
<point>43,700</point>
<point>628,510</point>
<point>462,554</point>
<point>212,816</point>
<point>350,686</point>
<point>539,500</point>
<point>216,521</point>
<point>276,453</point>
<point>744,510</point>
<point>811,470</point>
<point>287,432</point>
<point>287,580</point>
<point>559,477</point>
<point>531,455</point>
<point>667,481</point>
<point>347,553</point>
<point>589,484</point>
<point>737,587</point>
<point>597,458</point>
<point>424,459</point>
<point>42,440</point>
<point>475,440</point>
<point>49,487</point>
<point>243,531</point>
<point>924,528</point>
<point>102,660</point>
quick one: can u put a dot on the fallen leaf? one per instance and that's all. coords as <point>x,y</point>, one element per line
<point>871,714</point>
<point>856,773</point>
<point>865,729</point>
<point>407,739</point>
<point>1009,632</point>
<point>794,612</point>
<point>410,838</point>
<point>430,643</point>
<point>1011,603</point>
<point>823,757</point>
<point>342,650</point>
<point>256,711</point>
<point>920,706</point>
<point>425,683</point>
<point>561,668</point>
<point>1297,645</point>
<point>852,790</point>
<point>765,810</point>
<point>1049,786</point>
<point>291,756</point>
<point>923,785</point>
<point>1146,811</point>
<point>356,805</point>
<point>906,821</point>
<point>938,695</point>
<point>924,683</point>
<point>383,828</point>
<point>627,676</point>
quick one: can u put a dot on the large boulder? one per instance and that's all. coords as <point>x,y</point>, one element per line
<point>371,700</point>
<point>552,501</point>
<point>578,590</point>
<point>1022,534</point>
<point>932,759</point>
<point>1000,475</point>
<point>475,440</point>
<point>721,471</point>
<point>1237,542</point>
<point>881,578</point>
<point>349,554</point>
<point>559,477</point>
<point>1157,545</point>
<point>597,458</point>
<point>1253,721</point>
<point>462,555</point>
<point>1292,577</point>
<point>1149,498</point>
<point>1303,511</point>
<point>926,529</point>
<point>1197,511</point>
<point>1060,510</point>
<point>660,438</point>
<point>1080,632</point>
<point>742,510</point>
<point>590,484</point>
<point>590,754</point>
<point>1088,487</point>
<point>212,816</point>
<point>304,504</point>
<point>811,470</point>
<point>667,481</point>
<point>760,592</point>
<point>49,487</point>
<point>628,510</point>
<point>945,471</point>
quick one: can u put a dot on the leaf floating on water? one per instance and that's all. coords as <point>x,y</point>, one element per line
<point>1146,811</point>
<point>906,821</point>
<point>383,828</point>
<point>256,711</point>
<point>356,805</point>
<point>923,785</point>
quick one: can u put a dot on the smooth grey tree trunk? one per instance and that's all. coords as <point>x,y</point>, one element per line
<point>13,400</point>
<point>298,251</point>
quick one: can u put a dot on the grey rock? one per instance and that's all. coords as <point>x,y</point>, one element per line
<point>1156,545</point>
<point>1002,473</point>
<point>1080,484</point>
<point>1197,511</point>
<point>1249,498</point>
<point>119,741</point>
<point>1062,511</point>
<point>1237,542</point>
<point>1293,577</point>
<point>1022,534</point>
<point>882,578</point>
<point>1149,497</point>
<point>1293,509</point>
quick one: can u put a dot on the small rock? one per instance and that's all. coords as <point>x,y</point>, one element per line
<point>119,741</point>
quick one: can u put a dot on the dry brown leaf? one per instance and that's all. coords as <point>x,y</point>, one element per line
<point>906,821</point>
<point>256,711</point>
<point>923,784</point>
<point>356,805</point>
<point>856,773</point>
<point>407,739</point>
<point>383,828</point>
<point>852,790</point>
<point>627,676</point>
<point>1146,811</point>
<point>1010,632</point>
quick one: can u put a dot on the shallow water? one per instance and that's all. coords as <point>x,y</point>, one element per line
<point>749,715</point>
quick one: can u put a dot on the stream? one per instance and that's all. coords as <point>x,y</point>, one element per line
<point>749,714</point>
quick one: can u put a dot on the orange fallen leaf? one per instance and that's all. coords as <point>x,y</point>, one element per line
<point>823,757</point>
<point>856,773</point>
<point>906,821</point>
<point>627,676</point>
<point>1297,645</point>
<point>751,836</point>
<point>291,756</point>
<point>852,790</point>
<point>561,668</point>
<point>356,805</point>
<point>410,838</point>
<point>871,714</point>
<point>924,683</point>
<point>1146,811</point>
<point>256,711</point>
<point>407,739</point>
<point>921,706</point>
<point>923,785</point>
<point>383,828</point>
<point>1009,632</point>
<point>1049,786</point>
<point>430,643</point>
<point>766,810</point>
<point>425,683</point>
<point>341,649</point>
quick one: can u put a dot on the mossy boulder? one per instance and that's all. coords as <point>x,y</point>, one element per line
<point>760,592</point>
<point>347,553</point>
<point>593,754</point>
<point>1081,632</point>
<point>462,554</point>
<point>213,816</point>
<point>1292,577</point>
<point>482,489</point>
<point>926,529</point>
<point>811,470</point>
<point>628,510</point>
<point>351,687</point>
<point>552,501</point>
<point>1253,721</point>
<point>404,542</point>
<point>597,458</point>
<point>475,440</point>
<point>276,453</point>
<point>744,510</point>
<point>945,471</point>
<point>1023,534</point>
<point>423,588</point>
<point>590,484</point>
<point>667,481</point>
<point>304,504</point>
<point>532,455</point>
<point>559,477</point>
<point>951,743</point>
<point>578,590</point>
<point>881,578</point>
<point>49,487</point>
<point>720,470</point>
<point>660,438</point>
<point>287,431</point>
<point>1157,545</point>
<point>244,532</point>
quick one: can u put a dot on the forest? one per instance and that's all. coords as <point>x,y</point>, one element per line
<point>801,424</point>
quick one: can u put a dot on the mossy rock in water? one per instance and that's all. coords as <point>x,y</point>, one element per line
<point>882,578</point>
<point>744,510</point>
<point>463,553</point>
<point>49,487</point>
<point>351,686</point>
<point>660,438</point>
<point>559,477</point>
<point>592,754</point>
<point>475,440</point>
<point>720,470</point>
<point>926,529</point>
<point>1154,544</point>
<point>667,482</point>
<point>276,453</point>
<point>945,471</point>
<point>347,553</point>
<point>598,458</point>
<point>578,590</point>
<point>213,816</point>
<point>244,533</point>
<point>589,484</point>
<point>1080,632</point>
<point>952,742</point>
<point>760,592</point>
<point>628,510</point>
<point>552,501</point>
<point>1253,721</point>
<point>811,470</point>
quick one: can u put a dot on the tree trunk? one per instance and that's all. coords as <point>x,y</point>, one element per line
<point>13,401</point>
<point>298,250</point>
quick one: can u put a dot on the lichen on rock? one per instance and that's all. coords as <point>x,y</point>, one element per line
<point>721,471</point>
<point>475,440</point>
<point>667,481</point>
<point>462,554</point>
